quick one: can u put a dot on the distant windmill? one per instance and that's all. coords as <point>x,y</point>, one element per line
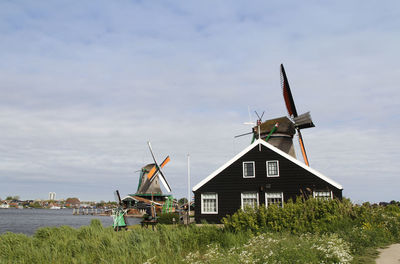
<point>150,174</point>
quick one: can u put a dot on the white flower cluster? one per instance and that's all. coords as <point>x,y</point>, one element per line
<point>335,249</point>
<point>264,249</point>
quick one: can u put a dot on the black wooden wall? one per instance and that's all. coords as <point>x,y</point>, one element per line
<point>293,181</point>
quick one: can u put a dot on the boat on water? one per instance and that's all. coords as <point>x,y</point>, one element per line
<point>55,207</point>
<point>4,205</point>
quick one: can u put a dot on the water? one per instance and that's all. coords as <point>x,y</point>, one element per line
<point>27,221</point>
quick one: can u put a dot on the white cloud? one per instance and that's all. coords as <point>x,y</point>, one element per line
<point>83,87</point>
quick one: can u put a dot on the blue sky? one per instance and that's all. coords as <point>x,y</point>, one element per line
<point>84,85</point>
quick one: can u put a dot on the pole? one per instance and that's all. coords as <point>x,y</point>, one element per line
<point>188,197</point>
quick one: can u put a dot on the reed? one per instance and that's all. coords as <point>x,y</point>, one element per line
<point>301,232</point>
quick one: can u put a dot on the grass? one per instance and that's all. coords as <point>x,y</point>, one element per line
<point>320,232</point>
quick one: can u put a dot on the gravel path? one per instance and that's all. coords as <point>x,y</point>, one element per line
<point>390,255</point>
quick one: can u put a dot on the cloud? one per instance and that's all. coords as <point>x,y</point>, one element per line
<point>84,86</point>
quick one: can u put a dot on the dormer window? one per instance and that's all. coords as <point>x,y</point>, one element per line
<point>249,169</point>
<point>272,168</point>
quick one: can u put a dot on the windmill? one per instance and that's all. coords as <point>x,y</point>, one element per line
<point>279,131</point>
<point>300,121</point>
<point>119,214</point>
<point>150,174</point>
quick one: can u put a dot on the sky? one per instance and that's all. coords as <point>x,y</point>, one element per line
<point>85,84</point>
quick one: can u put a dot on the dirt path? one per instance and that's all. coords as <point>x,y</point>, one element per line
<point>390,255</point>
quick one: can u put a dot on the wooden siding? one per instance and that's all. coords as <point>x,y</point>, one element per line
<point>293,181</point>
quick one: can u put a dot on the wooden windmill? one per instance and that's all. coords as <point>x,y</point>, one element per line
<point>150,176</point>
<point>279,132</point>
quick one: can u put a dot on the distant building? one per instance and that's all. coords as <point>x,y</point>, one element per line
<point>52,196</point>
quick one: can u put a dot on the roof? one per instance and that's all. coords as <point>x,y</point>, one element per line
<point>280,152</point>
<point>285,126</point>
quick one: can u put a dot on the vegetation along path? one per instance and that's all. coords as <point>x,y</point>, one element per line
<point>390,255</point>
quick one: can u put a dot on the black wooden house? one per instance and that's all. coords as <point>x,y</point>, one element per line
<point>259,175</point>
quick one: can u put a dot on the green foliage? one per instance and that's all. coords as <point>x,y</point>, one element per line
<point>35,205</point>
<point>312,231</point>
<point>182,201</point>
<point>167,218</point>
<point>362,226</point>
<point>312,215</point>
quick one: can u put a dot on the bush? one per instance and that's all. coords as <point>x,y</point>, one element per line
<point>167,218</point>
<point>362,226</point>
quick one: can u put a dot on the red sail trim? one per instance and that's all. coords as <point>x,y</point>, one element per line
<point>287,94</point>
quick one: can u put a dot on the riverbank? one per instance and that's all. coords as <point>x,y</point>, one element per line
<point>27,221</point>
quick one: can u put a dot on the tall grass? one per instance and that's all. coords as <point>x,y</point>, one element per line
<point>96,244</point>
<point>311,231</point>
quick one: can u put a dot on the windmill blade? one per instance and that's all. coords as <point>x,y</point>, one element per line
<point>303,121</point>
<point>155,169</point>
<point>117,197</point>
<point>152,173</point>
<point>244,134</point>
<point>164,181</point>
<point>166,160</point>
<point>303,149</point>
<point>151,151</point>
<point>287,94</point>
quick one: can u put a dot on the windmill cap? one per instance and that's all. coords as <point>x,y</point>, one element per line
<point>285,126</point>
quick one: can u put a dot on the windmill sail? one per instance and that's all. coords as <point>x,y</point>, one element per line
<point>302,121</point>
<point>287,94</point>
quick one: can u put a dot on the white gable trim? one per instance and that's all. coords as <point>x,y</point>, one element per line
<point>280,152</point>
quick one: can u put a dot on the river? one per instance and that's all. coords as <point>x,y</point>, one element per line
<point>27,221</point>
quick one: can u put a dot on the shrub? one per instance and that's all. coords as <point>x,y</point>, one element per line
<point>167,218</point>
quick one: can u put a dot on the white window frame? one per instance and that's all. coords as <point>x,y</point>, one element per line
<point>241,198</point>
<point>254,169</point>
<point>277,168</point>
<point>202,203</point>
<point>266,197</point>
<point>324,197</point>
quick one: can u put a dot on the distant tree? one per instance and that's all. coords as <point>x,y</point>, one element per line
<point>182,201</point>
<point>100,204</point>
<point>36,205</point>
<point>16,197</point>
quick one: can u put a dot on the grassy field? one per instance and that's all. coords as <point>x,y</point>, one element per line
<point>311,231</point>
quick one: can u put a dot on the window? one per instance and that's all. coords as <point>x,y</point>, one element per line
<point>249,199</point>
<point>272,168</point>
<point>249,169</point>
<point>209,203</point>
<point>322,194</point>
<point>274,198</point>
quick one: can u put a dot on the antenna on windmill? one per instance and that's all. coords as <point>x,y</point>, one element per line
<point>257,124</point>
<point>259,120</point>
<point>300,121</point>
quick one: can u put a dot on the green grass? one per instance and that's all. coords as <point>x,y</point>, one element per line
<point>302,232</point>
